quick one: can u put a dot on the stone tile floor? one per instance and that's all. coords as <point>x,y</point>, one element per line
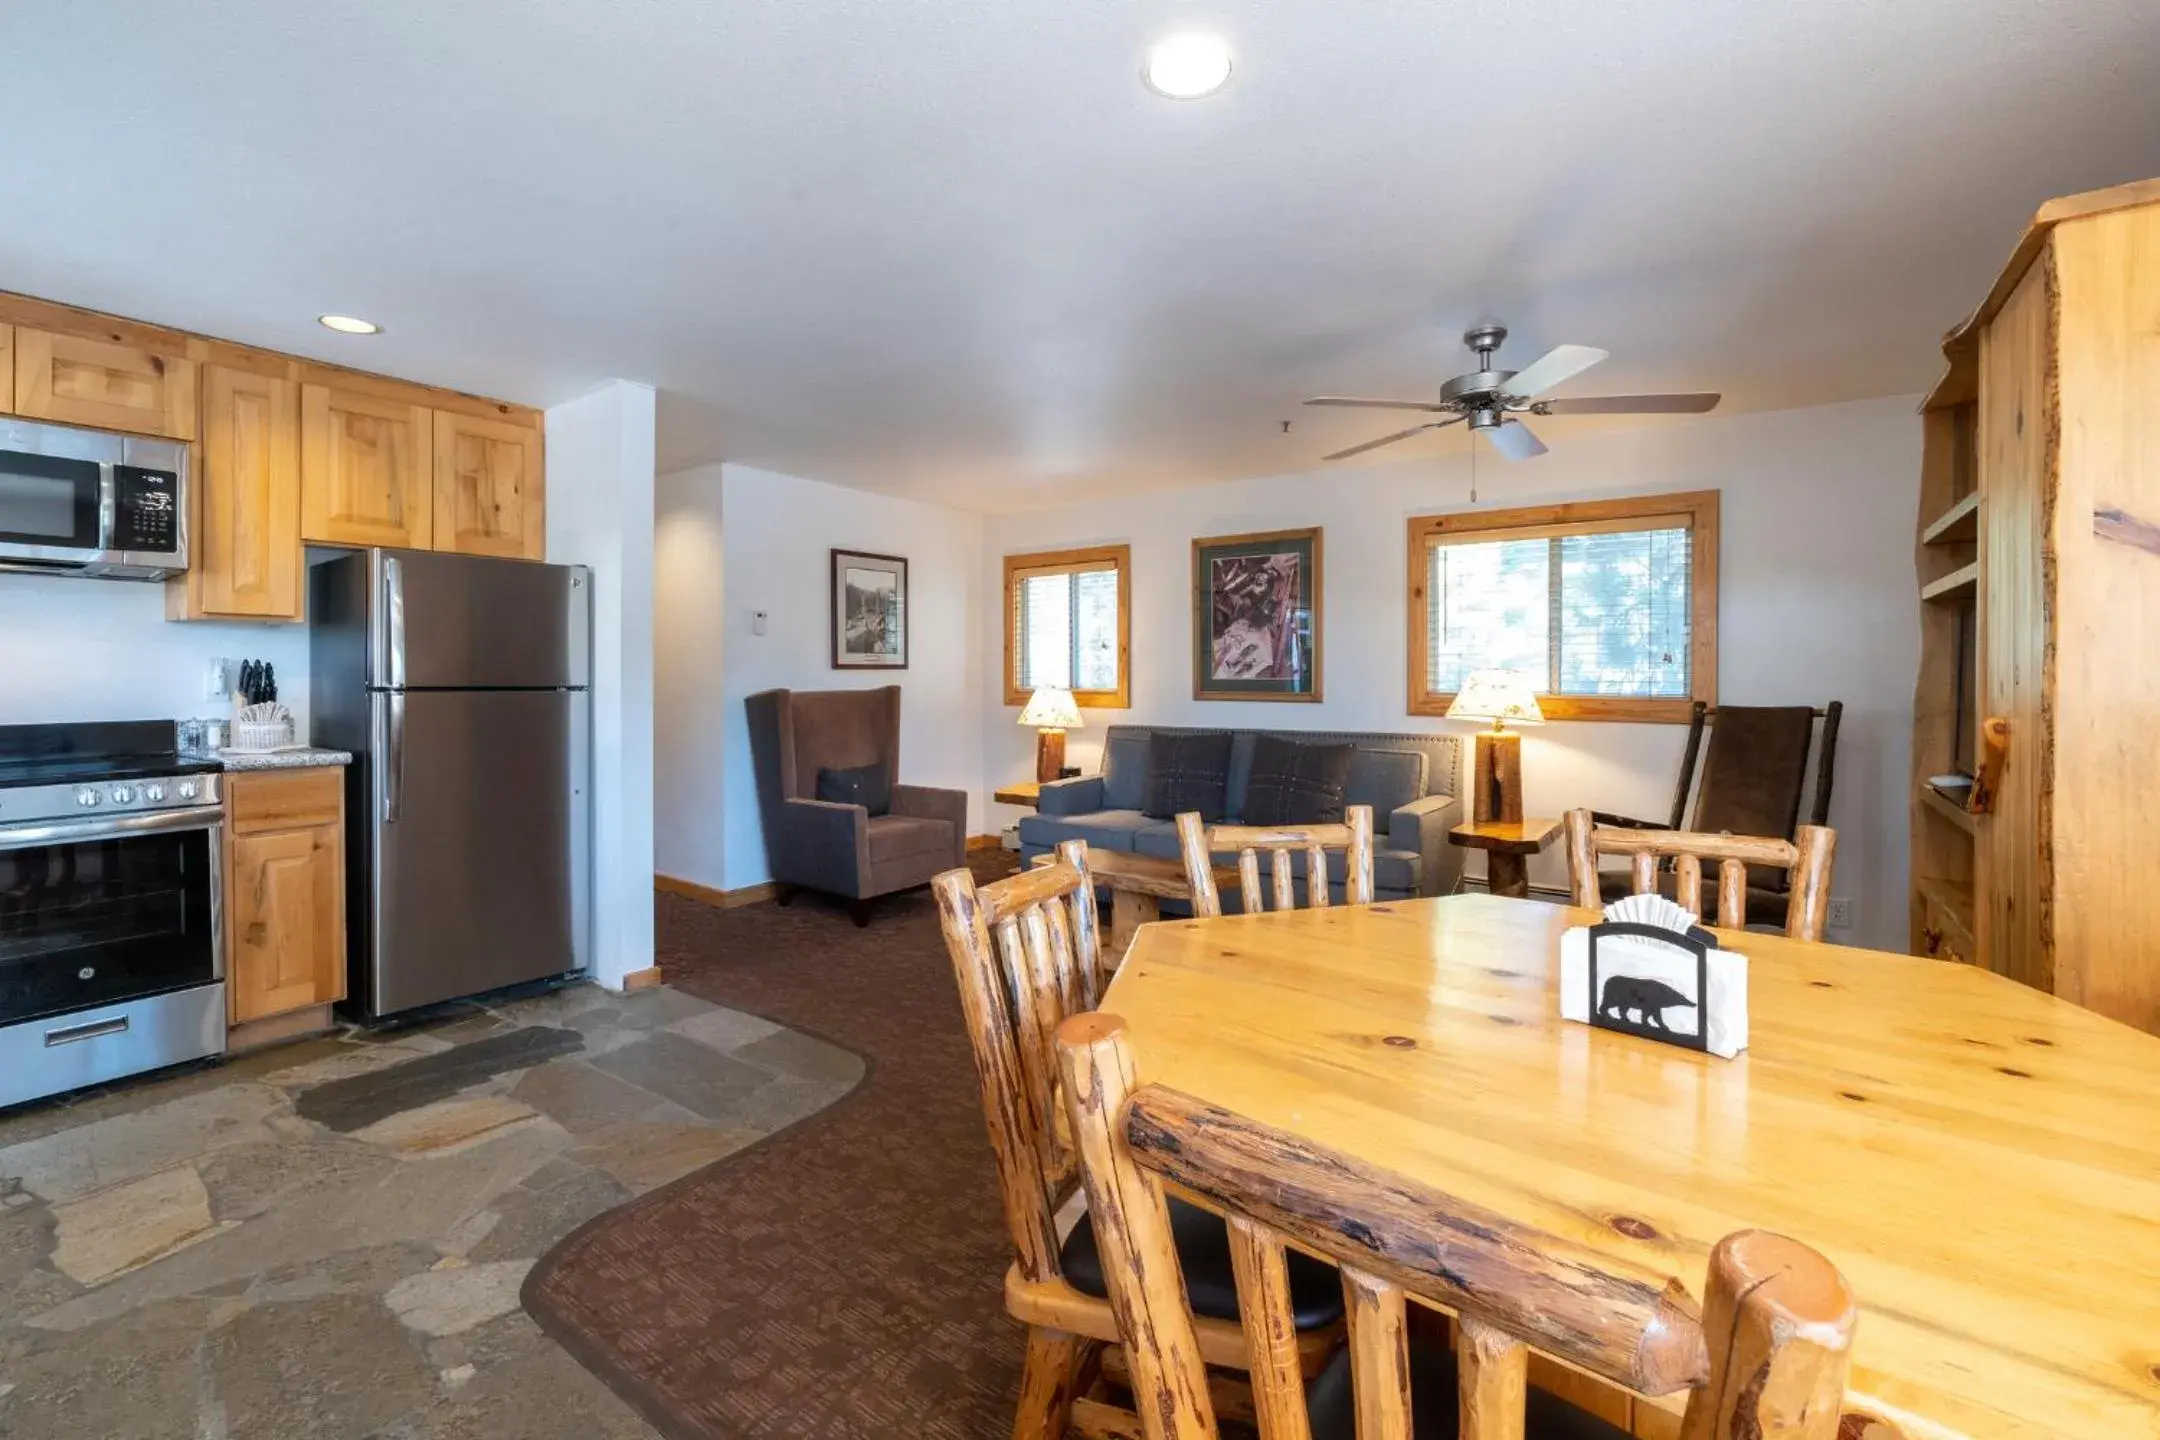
<point>326,1239</point>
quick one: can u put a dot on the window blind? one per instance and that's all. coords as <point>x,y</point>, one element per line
<point>1066,624</point>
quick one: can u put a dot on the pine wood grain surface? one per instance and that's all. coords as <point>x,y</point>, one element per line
<point>1981,1161</point>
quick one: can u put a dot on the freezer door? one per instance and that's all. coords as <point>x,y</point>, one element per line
<point>480,842</point>
<point>472,622</point>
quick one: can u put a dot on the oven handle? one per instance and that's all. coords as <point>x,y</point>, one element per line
<point>111,827</point>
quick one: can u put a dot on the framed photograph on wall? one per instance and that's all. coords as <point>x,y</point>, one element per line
<point>869,611</point>
<point>1256,616</point>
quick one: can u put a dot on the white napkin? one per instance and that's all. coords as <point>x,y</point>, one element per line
<point>1627,955</point>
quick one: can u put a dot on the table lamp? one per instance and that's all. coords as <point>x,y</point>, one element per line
<point>1052,712</point>
<point>1498,696</point>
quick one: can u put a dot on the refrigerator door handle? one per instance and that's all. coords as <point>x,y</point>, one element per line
<point>394,620</point>
<point>393,755</point>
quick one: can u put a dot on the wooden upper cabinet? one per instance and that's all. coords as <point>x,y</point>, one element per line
<point>490,490</point>
<point>103,383</point>
<point>245,556</point>
<point>365,469</point>
<point>7,368</point>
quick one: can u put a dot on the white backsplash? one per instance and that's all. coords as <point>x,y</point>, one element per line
<point>103,650</point>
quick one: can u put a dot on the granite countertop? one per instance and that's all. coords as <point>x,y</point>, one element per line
<point>306,757</point>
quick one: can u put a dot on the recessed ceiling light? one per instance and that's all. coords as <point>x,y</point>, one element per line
<point>349,325</point>
<point>1188,66</point>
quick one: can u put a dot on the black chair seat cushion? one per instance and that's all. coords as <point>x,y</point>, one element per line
<point>1203,1247</point>
<point>1330,1402</point>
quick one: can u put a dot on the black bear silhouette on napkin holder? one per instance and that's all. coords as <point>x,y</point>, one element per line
<point>1647,1000</point>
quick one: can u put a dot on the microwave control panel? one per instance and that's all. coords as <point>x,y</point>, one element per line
<point>146,509</point>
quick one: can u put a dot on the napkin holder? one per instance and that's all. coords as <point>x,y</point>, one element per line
<point>1650,971</point>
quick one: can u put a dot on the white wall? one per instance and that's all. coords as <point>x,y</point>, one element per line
<point>103,650</point>
<point>600,513</point>
<point>1815,604</point>
<point>689,694</point>
<point>776,533</point>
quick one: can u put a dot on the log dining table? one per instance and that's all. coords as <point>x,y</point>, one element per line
<point>1982,1161</point>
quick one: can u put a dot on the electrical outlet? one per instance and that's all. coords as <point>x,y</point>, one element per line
<point>757,622</point>
<point>1840,914</point>
<point>217,683</point>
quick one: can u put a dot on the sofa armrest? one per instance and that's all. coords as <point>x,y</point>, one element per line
<point>1081,795</point>
<point>1423,826</point>
<point>824,845</point>
<point>930,803</point>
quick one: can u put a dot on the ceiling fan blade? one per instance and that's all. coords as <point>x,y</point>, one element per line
<point>1562,362</point>
<point>1630,405</point>
<point>1363,404</point>
<point>1515,441</point>
<point>1391,439</point>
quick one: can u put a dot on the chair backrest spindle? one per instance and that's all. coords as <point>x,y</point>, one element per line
<point>1807,863</point>
<point>1199,843</point>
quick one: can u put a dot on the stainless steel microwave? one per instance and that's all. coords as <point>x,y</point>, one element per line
<point>91,503</point>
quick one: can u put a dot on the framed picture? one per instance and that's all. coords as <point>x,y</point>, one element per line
<point>1256,616</point>
<point>869,611</point>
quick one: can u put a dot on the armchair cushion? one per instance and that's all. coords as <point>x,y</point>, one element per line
<point>895,837</point>
<point>865,785</point>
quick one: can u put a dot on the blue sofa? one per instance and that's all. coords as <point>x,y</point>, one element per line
<point>1411,782</point>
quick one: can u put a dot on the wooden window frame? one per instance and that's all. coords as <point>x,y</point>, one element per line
<point>1698,508</point>
<point>1052,562</point>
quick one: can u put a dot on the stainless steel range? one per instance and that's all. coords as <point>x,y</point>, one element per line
<point>111,953</point>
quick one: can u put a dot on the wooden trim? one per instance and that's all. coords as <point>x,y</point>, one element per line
<point>50,315</point>
<point>277,1029</point>
<point>1050,562</point>
<point>645,979</point>
<point>707,895</point>
<point>1698,510</point>
<point>1313,533</point>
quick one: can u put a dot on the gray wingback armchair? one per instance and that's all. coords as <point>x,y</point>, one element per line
<point>844,850</point>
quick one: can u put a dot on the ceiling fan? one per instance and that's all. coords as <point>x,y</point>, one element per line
<point>1490,399</point>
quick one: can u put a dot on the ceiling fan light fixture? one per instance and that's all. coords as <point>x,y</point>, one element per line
<point>1190,65</point>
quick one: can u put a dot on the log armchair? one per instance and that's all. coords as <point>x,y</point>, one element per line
<point>1027,954</point>
<point>1306,845</point>
<point>1804,867</point>
<point>839,848</point>
<point>1764,1355</point>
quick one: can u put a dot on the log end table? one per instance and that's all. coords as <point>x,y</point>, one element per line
<point>1507,844</point>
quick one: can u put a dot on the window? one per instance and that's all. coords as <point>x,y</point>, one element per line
<point>1068,622</point>
<point>1610,606</point>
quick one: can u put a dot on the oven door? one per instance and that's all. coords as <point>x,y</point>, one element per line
<point>95,912</point>
<point>53,509</point>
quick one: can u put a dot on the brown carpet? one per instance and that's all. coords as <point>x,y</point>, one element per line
<point>842,1278</point>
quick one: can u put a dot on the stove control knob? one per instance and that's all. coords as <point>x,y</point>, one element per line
<point>86,796</point>
<point>187,789</point>
<point>122,794</point>
<point>153,793</point>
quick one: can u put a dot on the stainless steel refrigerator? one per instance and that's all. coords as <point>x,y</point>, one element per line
<point>462,687</point>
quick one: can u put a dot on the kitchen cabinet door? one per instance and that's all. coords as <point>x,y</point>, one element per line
<point>103,383</point>
<point>366,468</point>
<point>285,916</point>
<point>490,489</point>
<point>245,554</point>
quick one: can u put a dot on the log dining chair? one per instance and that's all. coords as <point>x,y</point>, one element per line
<point>1806,863</point>
<point>1765,1355</point>
<point>1027,953</point>
<point>1199,843</point>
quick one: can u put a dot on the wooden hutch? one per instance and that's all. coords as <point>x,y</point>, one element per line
<point>2039,570</point>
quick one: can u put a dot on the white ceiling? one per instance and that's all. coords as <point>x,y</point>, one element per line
<point>953,248</point>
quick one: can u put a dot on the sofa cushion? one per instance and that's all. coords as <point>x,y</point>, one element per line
<point>1384,779</point>
<point>1187,773</point>
<point>1124,770</point>
<point>865,785</point>
<point>1293,784</point>
<point>1104,829</point>
<point>895,836</point>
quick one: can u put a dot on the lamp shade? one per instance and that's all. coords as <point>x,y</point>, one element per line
<point>1052,709</point>
<point>1496,695</point>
